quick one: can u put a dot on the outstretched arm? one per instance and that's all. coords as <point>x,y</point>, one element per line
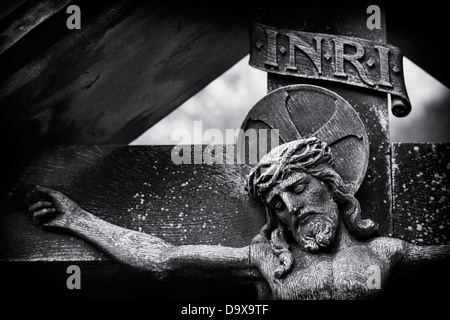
<point>418,255</point>
<point>139,250</point>
<point>407,257</point>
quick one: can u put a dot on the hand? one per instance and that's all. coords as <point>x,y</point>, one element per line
<point>56,211</point>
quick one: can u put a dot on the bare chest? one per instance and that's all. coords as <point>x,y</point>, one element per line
<point>353,274</point>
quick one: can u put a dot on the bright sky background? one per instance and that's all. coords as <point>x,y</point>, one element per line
<point>225,102</point>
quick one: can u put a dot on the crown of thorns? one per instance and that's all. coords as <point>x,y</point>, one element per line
<point>283,159</point>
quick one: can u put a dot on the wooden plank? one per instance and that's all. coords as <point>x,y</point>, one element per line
<point>420,173</point>
<point>106,179</point>
<point>130,65</point>
<point>421,215</point>
<point>27,17</point>
<point>39,25</point>
<point>372,107</point>
<point>136,187</point>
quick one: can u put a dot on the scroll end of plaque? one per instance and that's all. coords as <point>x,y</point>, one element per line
<point>400,107</point>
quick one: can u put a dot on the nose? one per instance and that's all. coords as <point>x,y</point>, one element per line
<point>293,203</point>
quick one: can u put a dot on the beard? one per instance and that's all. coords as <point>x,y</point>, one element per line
<point>318,232</point>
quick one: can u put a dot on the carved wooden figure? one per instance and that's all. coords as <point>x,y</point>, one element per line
<point>315,244</point>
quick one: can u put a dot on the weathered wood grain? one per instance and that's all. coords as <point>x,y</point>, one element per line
<point>131,64</point>
<point>421,192</point>
<point>25,19</point>
<point>328,57</point>
<point>136,187</point>
<point>101,179</point>
<point>421,216</point>
<point>374,194</point>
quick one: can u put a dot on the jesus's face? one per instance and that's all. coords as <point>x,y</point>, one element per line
<point>305,205</point>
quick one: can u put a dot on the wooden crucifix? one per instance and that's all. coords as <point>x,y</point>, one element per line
<point>308,221</point>
<point>315,243</point>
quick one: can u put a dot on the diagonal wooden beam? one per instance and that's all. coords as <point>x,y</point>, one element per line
<point>131,64</point>
<point>27,17</point>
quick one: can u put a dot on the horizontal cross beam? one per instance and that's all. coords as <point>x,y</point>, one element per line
<point>138,187</point>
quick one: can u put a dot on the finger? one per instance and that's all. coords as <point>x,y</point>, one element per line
<point>43,215</point>
<point>46,191</point>
<point>43,212</point>
<point>54,195</point>
<point>40,205</point>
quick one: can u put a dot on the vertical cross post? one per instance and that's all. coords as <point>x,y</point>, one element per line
<point>374,194</point>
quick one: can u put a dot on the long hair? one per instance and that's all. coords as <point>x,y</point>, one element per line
<point>314,157</point>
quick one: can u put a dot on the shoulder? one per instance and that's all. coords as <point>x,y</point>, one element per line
<point>260,247</point>
<point>260,251</point>
<point>390,248</point>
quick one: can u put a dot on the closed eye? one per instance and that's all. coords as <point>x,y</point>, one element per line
<point>298,188</point>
